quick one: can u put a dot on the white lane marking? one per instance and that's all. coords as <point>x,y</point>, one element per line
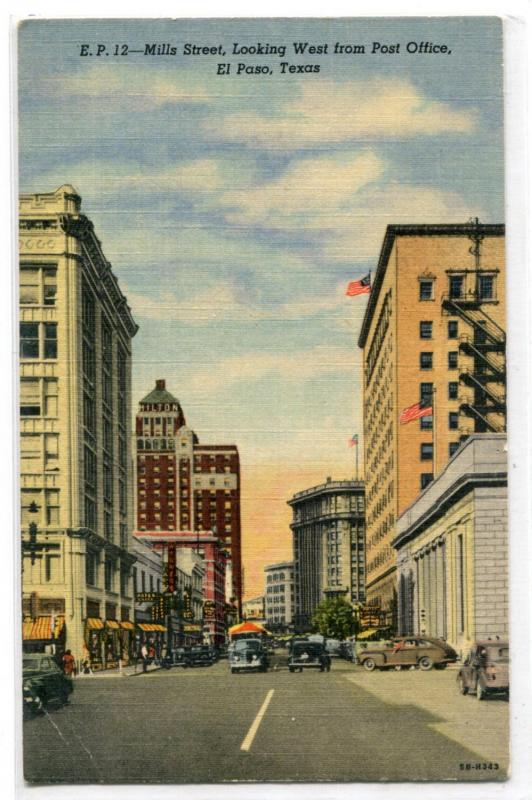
<point>248,741</point>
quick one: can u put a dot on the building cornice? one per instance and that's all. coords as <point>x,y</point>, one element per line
<point>393,231</point>
<point>462,486</point>
<point>331,487</point>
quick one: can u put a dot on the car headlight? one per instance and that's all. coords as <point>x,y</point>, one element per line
<point>26,687</point>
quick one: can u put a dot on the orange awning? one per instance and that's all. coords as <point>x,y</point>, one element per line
<point>247,627</point>
<point>42,628</point>
<point>128,626</point>
<point>94,623</point>
<point>150,626</point>
<point>112,623</point>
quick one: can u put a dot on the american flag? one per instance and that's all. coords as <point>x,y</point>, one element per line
<point>362,286</point>
<point>353,440</point>
<point>421,409</point>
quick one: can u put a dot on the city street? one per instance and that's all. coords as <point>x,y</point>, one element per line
<point>205,725</point>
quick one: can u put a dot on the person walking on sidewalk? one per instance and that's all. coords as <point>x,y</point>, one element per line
<point>69,663</point>
<point>145,656</point>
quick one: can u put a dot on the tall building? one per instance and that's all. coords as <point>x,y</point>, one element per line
<point>328,541</point>
<point>75,411</point>
<point>279,595</point>
<point>433,334</point>
<point>183,485</point>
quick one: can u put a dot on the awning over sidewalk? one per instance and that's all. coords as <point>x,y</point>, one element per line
<point>112,623</point>
<point>247,627</point>
<point>128,626</point>
<point>150,626</point>
<point>94,623</point>
<point>42,628</point>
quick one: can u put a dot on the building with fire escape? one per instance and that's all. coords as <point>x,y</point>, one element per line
<point>434,334</point>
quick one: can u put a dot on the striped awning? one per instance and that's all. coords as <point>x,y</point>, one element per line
<point>42,628</point>
<point>112,623</point>
<point>94,623</point>
<point>150,626</point>
<point>128,626</point>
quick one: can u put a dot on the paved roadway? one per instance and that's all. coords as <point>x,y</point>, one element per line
<point>205,725</point>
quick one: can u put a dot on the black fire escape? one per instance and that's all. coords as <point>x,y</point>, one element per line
<point>486,347</point>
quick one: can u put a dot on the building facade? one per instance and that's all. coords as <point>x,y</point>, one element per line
<point>75,409</point>
<point>452,549</point>
<point>213,556</point>
<point>253,609</point>
<point>279,595</point>
<point>433,333</point>
<point>328,530</point>
<point>183,485</point>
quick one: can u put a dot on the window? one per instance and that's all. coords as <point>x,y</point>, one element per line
<point>456,286</point>
<point>51,451</point>
<point>109,575</point>
<point>38,286</point>
<point>425,330</point>
<point>91,568</point>
<point>426,451</point>
<point>426,289</point>
<point>453,447</point>
<point>50,397</point>
<point>50,340</point>
<point>30,397</point>
<point>453,420</point>
<point>30,452</point>
<point>452,359</point>
<point>29,340</point>
<point>452,329</point>
<point>425,392</point>
<point>485,287</point>
<point>425,360</point>
<point>52,507</point>
<point>425,423</point>
<point>453,390</point>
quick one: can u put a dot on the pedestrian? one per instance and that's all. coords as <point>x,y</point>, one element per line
<point>69,663</point>
<point>151,653</point>
<point>144,655</point>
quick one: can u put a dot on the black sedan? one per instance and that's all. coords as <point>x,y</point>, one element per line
<point>43,683</point>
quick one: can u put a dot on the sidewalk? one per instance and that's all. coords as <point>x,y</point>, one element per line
<point>126,672</point>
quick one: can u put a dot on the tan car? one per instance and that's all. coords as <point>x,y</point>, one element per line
<point>409,651</point>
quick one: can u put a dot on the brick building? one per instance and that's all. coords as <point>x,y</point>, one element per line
<point>183,485</point>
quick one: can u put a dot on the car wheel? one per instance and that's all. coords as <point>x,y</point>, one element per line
<point>481,692</point>
<point>369,664</point>
<point>462,686</point>
<point>426,663</point>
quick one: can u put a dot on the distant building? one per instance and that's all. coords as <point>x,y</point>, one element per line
<point>75,450</point>
<point>214,557</point>
<point>279,595</point>
<point>452,549</point>
<point>433,333</point>
<point>253,609</point>
<point>328,532</point>
<point>183,485</point>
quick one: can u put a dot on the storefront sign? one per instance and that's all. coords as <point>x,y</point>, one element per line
<point>147,597</point>
<point>170,568</point>
<point>191,628</point>
<point>209,609</point>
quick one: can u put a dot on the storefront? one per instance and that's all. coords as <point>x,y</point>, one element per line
<point>127,642</point>
<point>44,634</point>
<point>152,634</point>
<point>95,643</point>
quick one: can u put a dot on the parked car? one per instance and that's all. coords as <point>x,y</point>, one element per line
<point>486,669</point>
<point>409,651</point>
<point>309,655</point>
<point>43,682</point>
<point>199,656</point>
<point>248,655</point>
<point>295,640</point>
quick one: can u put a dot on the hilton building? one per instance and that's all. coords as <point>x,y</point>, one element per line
<point>433,332</point>
<point>328,544</point>
<point>75,458</point>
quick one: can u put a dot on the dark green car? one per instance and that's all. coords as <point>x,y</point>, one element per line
<point>43,683</point>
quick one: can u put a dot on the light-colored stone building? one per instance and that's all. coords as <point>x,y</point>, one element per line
<point>279,595</point>
<point>253,609</point>
<point>328,530</point>
<point>452,549</point>
<point>434,333</point>
<point>75,416</point>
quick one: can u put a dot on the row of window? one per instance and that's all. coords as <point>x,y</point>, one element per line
<point>38,340</point>
<point>485,287</point>
<point>426,360</point>
<point>425,329</point>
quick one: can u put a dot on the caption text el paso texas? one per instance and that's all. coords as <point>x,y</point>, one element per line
<point>263,58</point>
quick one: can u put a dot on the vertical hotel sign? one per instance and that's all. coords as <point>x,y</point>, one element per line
<point>170,569</point>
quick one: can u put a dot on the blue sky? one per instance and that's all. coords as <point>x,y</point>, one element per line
<point>235,209</point>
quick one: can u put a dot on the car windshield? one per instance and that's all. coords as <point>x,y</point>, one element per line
<point>311,649</point>
<point>247,645</point>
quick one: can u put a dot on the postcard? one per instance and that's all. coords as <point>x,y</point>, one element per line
<point>263,409</point>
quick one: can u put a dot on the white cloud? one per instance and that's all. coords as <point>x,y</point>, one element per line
<point>329,112</point>
<point>122,86</point>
